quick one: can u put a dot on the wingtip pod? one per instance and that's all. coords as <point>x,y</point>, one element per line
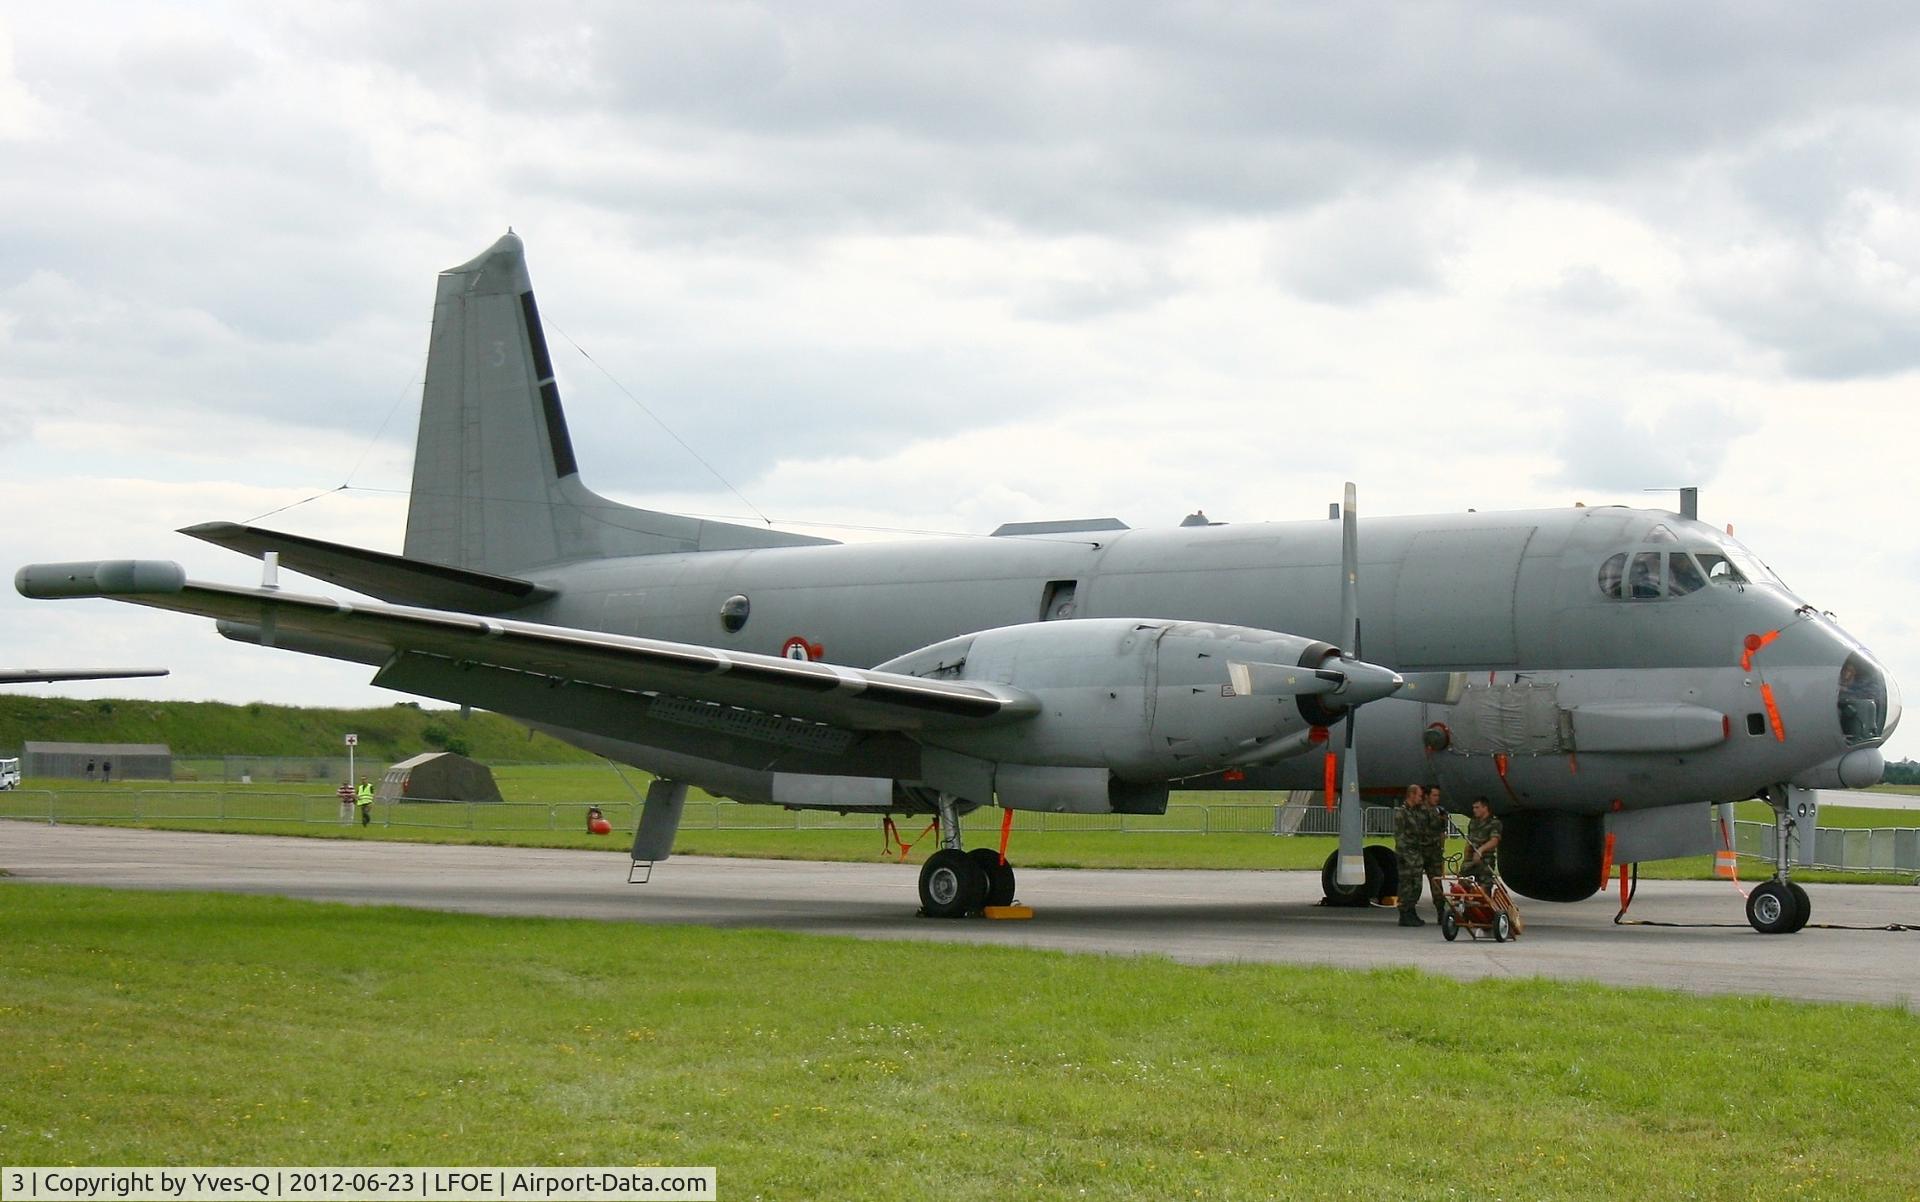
<point>100,578</point>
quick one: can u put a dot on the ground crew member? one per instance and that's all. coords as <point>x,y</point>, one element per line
<point>1483,843</point>
<point>1420,838</point>
<point>365,800</point>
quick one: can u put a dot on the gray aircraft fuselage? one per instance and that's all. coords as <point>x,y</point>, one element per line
<point>1514,598</point>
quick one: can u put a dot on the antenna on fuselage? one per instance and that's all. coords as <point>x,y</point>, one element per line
<point>1689,500</point>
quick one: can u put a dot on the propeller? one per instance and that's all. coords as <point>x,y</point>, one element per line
<point>1351,867</point>
<point>1348,682</point>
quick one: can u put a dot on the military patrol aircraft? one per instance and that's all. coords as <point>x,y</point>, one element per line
<point>1602,674</point>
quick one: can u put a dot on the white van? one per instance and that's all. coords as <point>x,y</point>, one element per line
<point>9,774</point>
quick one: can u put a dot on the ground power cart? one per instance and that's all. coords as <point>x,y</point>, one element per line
<point>1468,906</point>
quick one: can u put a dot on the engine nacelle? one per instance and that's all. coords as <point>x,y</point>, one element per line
<point>1126,705</point>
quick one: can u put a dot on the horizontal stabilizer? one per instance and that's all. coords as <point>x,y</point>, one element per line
<point>377,574</point>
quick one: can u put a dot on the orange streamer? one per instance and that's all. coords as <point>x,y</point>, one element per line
<point>1773,712</point>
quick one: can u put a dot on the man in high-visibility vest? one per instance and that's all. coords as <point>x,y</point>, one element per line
<point>365,800</point>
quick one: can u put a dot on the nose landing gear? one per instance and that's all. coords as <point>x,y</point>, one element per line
<point>1779,906</point>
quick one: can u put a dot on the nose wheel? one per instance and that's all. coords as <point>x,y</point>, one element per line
<point>1778,908</point>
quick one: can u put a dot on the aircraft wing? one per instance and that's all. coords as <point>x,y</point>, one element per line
<point>43,675</point>
<point>850,698</point>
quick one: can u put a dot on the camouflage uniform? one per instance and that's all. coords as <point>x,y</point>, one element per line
<point>1479,831</point>
<point>1420,838</point>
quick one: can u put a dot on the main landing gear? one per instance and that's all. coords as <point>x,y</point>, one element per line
<point>955,883</point>
<point>1779,906</point>
<point>1383,878</point>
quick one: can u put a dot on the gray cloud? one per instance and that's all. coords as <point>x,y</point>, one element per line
<point>1602,444</point>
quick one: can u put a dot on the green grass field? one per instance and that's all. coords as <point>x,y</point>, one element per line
<point>190,1029</point>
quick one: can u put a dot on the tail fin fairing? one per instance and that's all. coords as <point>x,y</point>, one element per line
<point>496,487</point>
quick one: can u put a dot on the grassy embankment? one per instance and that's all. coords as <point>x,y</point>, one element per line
<point>201,730</point>
<point>190,1029</point>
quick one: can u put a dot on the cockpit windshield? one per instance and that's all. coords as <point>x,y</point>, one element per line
<point>1720,569</point>
<point>1750,565</point>
<point>1650,575</point>
<point>1657,568</point>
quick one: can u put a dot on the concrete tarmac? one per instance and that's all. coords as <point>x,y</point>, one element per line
<point>1199,917</point>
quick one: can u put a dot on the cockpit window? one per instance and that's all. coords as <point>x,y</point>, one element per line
<point>1720,569</point>
<point>1751,567</point>
<point>1660,534</point>
<point>1612,573</point>
<point>1638,576</point>
<point>1643,576</point>
<point>1683,575</point>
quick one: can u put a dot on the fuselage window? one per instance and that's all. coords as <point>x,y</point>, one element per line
<point>1643,577</point>
<point>733,613</point>
<point>1612,573</point>
<point>1683,575</point>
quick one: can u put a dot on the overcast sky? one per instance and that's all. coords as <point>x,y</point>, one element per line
<point>936,267</point>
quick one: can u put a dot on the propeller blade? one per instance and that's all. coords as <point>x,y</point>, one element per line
<point>1279,680</point>
<point>1365,682</point>
<point>1354,682</point>
<point>1434,688</point>
<point>1350,573</point>
<point>1351,869</point>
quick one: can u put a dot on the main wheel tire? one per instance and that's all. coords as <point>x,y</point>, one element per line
<point>1383,872</point>
<point>999,876</point>
<point>951,884</point>
<point>1804,905</point>
<point>1502,927</point>
<point>1449,927</point>
<point>1771,909</point>
<point>1336,893</point>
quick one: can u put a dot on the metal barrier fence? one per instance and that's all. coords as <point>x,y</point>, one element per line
<point>1844,849</point>
<point>1892,850</point>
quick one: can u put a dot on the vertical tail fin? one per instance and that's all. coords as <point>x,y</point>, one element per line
<point>496,487</point>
